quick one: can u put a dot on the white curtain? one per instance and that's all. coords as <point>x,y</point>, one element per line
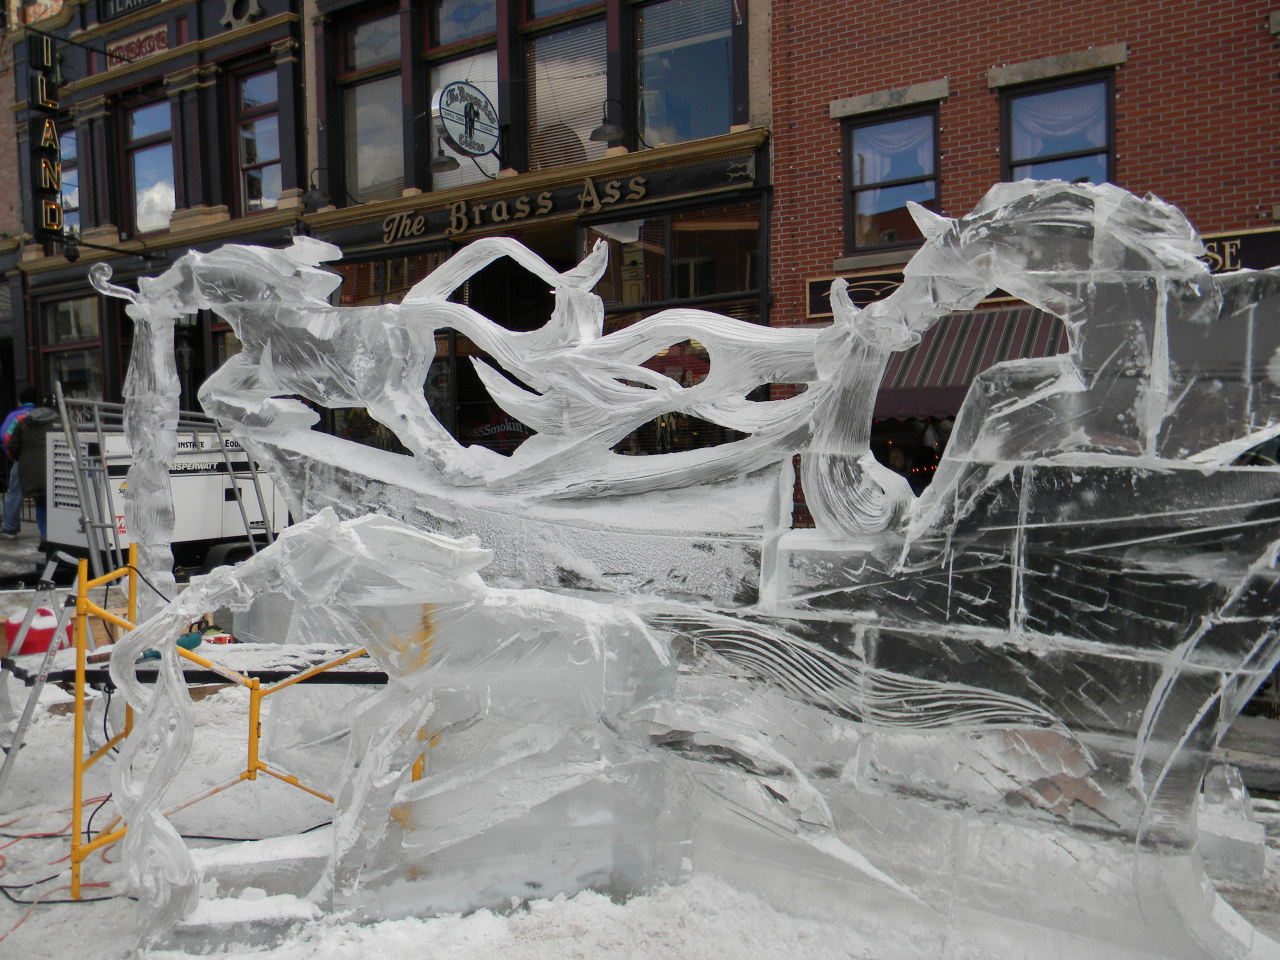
<point>1079,112</point>
<point>889,151</point>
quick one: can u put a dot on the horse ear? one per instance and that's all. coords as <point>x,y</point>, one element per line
<point>930,223</point>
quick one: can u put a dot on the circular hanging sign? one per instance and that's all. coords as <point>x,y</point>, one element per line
<point>466,117</point>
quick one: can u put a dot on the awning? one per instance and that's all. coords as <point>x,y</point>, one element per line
<point>932,378</point>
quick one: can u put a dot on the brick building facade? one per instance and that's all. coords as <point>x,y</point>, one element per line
<point>1193,98</point>
<point>875,105</point>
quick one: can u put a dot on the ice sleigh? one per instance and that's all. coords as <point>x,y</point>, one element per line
<point>1044,648</point>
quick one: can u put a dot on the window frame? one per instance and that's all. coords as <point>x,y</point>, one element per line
<point>555,25</point>
<point>131,147</point>
<point>1010,94</point>
<point>851,190</point>
<point>242,116</point>
<point>349,78</point>
<point>436,57</point>
<point>52,349</point>
<point>738,69</point>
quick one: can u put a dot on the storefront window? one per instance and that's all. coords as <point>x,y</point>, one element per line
<point>713,252</point>
<point>709,256</point>
<point>70,321</point>
<point>685,69</point>
<point>225,346</point>
<point>79,371</point>
<point>372,282</point>
<point>566,80</point>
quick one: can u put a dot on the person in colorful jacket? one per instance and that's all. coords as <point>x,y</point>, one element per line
<point>13,495</point>
<point>27,445</point>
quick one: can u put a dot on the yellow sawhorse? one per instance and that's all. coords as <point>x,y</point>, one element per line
<point>81,850</point>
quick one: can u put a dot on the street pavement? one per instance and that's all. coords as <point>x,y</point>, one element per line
<point>21,558</point>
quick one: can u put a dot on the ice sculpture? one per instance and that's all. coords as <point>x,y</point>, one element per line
<point>982,715</point>
<point>151,393</point>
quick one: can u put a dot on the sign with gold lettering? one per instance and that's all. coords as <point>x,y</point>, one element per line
<point>1245,250</point>
<point>46,156</point>
<point>597,197</point>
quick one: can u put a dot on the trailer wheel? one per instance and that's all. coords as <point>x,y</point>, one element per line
<point>225,554</point>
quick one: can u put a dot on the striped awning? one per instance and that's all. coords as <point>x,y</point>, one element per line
<point>931,379</point>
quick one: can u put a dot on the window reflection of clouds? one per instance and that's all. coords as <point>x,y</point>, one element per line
<point>153,187</point>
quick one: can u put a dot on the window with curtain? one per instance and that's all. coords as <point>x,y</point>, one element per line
<point>684,66</point>
<point>1059,133</point>
<point>565,75</point>
<point>372,109</point>
<point>890,160</point>
<point>149,148</point>
<point>258,140</point>
<point>69,158</point>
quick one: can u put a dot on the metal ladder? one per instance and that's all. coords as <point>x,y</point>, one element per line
<point>86,426</point>
<point>44,596</point>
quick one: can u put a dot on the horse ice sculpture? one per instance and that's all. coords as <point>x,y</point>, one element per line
<point>981,715</point>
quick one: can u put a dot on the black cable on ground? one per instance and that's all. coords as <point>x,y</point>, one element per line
<point>204,836</point>
<point>33,883</point>
<point>28,903</point>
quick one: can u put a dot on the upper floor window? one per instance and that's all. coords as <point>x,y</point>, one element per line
<point>453,21</point>
<point>1059,132</point>
<point>565,76</point>
<point>149,147</point>
<point>372,108</point>
<point>684,59</point>
<point>890,160</point>
<point>70,182</point>
<point>258,141</point>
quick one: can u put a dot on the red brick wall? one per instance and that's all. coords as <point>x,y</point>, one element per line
<point>1197,107</point>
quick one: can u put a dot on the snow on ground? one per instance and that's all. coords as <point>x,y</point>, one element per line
<point>705,918</point>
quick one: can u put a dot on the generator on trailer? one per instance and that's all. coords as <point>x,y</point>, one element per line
<point>225,506</point>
